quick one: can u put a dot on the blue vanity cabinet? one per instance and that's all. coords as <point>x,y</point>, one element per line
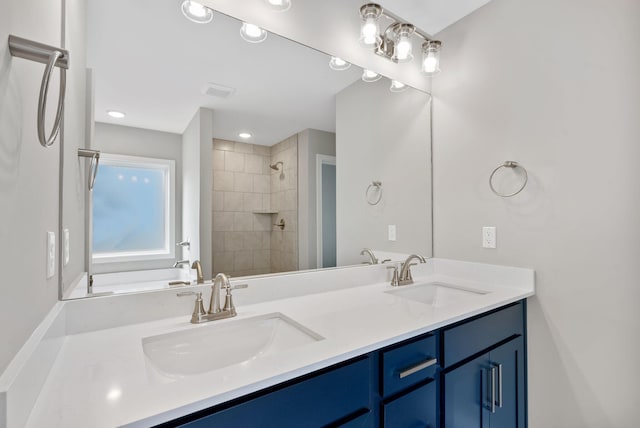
<point>485,387</point>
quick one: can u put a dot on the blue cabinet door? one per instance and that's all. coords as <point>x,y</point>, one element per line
<point>468,392</point>
<point>509,360</point>
<point>465,394</point>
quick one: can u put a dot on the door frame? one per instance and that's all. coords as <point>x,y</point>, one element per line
<point>320,160</point>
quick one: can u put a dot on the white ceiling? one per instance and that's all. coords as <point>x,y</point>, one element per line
<point>432,16</point>
<point>153,64</point>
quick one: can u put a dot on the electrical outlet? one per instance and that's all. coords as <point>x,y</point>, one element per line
<point>66,246</point>
<point>392,232</point>
<point>51,254</point>
<point>489,237</point>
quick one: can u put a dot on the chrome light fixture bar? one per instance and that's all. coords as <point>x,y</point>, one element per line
<point>395,43</point>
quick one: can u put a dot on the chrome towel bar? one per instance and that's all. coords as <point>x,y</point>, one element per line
<point>52,57</point>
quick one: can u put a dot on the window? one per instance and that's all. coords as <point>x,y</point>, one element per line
<point>133,209</point>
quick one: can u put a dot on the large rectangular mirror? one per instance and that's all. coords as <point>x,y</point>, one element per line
<point>251,157</point>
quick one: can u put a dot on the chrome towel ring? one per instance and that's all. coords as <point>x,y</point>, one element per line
<point>52,57</point>
<point>377,186</point>
<point>509,165</point>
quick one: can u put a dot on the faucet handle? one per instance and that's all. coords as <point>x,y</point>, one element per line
<point>198,310</point>
<point>394,279</point>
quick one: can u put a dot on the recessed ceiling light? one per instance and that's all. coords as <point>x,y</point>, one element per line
<point>397,86</point>
<point>244,135</point>
<point>338,63</point>
<point>279,5</point>
<point>116,114</point>
<point>252,33</point>
<point>196,12</point>
<point>370,76</point>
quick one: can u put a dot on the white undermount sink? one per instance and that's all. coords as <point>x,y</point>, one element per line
<point>436,294</point>
<point>210,347</point>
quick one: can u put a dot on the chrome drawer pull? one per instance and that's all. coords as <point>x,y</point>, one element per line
<point>423,365</point>
<point>499,400</point>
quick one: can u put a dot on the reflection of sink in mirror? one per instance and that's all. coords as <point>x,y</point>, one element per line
<point>436,294</point>
<point>127,282</point>
<point>202,349</point>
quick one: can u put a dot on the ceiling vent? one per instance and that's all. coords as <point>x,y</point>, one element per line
<point>219,91</point>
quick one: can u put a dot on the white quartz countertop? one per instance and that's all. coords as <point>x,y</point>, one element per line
<point>102,378</point>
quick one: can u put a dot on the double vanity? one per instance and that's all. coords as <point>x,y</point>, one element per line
<point>330,348</point>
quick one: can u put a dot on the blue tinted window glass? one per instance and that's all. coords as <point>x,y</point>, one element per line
<point>128,209</point>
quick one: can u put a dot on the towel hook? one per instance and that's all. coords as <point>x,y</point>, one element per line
<point>52,57</point>
<point>510,165</point>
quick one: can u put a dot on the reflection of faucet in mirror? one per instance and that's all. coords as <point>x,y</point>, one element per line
<point>373,260</point>
<point>198,267</point>
<point>405,278</point>
<point>180,263</point>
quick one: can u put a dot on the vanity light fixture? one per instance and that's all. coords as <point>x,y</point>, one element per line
<point>370,76</point>
<point>252,33</point>
<point>116,114</point>
<point>338,64</point>
<point>397,86</point>
<point>396,42</point>
<point>370,26</point>
<point>431,57</point>
<point>196,12</point>
<point>279,5</point>
<point>244,135</point>
<point>403,47</point>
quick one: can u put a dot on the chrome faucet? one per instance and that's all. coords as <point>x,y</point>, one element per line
<point>198,267</point>
<point>180,263</point>
<point>215,312</point>
<point>404,277</point>
<point>373,260</point>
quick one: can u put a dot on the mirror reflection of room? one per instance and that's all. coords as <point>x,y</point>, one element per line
<point>210,164</point>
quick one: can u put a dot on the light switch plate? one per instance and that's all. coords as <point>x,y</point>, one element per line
<point>66,246</point>
<point>392,232</point>
<point>489,237</point>
<point>51,254</point>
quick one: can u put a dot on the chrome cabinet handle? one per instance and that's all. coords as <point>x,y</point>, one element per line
<point>499,400</point>
<point>492,390</point>
<point>420,366</point>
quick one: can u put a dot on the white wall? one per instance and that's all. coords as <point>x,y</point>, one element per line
<point>28,176</point>
<point>311,142</point>
<point>197,190</point>
<point>125,140</point>
<point>382,136</point>
<point>553,85</point>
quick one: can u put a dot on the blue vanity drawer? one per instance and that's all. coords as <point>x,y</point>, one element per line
<point>414,409</point>
<point>408,364</point>
<point>474,336</point>
<point>321,400</point>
